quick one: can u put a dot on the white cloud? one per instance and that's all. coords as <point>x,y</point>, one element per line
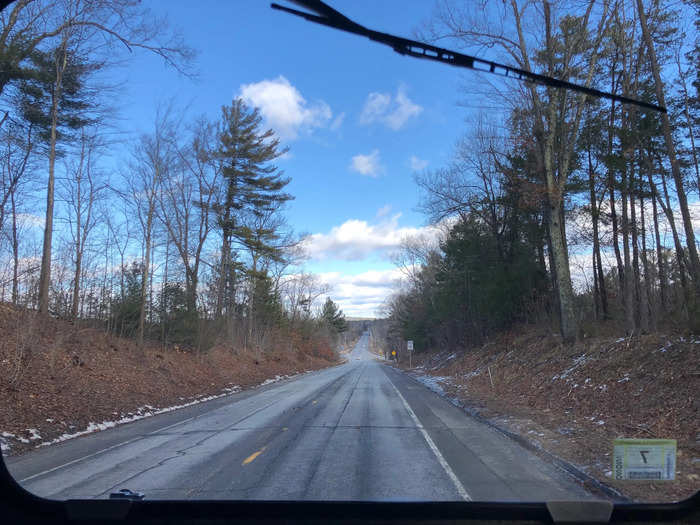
<point>393,112</point>
<point>361,295</point>
<point>376,107</point>
<point>417,164</point>
<point>337,121</point>
<point>367,164</point>
<point>384,211</point>
<point>283,107</point>
<point>355,240</point>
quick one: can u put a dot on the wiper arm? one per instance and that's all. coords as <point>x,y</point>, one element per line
<point>327,16</point>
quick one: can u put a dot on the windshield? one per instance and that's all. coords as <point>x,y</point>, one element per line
<point>246,255</point>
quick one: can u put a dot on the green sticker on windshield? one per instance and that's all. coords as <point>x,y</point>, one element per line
<point>644,459</point>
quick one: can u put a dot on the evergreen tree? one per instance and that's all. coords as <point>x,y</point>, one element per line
<point>334,316</point>
<point>252,184</point>
<point>54,97</point>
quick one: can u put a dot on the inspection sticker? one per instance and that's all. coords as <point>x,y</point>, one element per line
<point>644,459</point>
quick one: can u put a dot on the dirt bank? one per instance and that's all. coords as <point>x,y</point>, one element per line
<point>574,400</point>
<point>56,379</point>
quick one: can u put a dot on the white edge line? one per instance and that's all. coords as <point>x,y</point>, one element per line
<point>42,473</point>
<point>446,467</point>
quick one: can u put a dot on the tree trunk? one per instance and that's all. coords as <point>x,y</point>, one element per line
<point>567,314</point>
<point>15,252</point>
<point>78,252</point>
<point>163,301</point>
<point>647,309</point>
<point>45,275</point>
<point>144,276</point>
<point>616,232</point>
<point>550,261</point>
<point>76,284</point>
<point>680,253</point>
<point>628,290</point>
<point>223,275</point>
<point>600,294</point>
<point>640,302</point>
<point>660,263</point>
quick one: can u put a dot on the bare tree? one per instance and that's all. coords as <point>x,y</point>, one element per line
<point>153,157</point>
<point>82,191</point>
<point>185,200</point>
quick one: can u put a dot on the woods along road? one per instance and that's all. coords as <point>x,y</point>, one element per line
<point>358,431</point>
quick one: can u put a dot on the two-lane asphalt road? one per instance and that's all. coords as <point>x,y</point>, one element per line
<point>359,431</point>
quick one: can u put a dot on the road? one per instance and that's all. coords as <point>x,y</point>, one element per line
<point>358,431</point>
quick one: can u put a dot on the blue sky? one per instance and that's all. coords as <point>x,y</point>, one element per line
<point>358,119</point>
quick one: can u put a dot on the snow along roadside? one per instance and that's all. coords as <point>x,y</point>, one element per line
<point>433,383</point>
<point>140,413</point>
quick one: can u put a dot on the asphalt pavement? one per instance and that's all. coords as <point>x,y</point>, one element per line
<point>358,431</point>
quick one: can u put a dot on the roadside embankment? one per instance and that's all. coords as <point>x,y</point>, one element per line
<point>57,380</point>
<point>573,401</point>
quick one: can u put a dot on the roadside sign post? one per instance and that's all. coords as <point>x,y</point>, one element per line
<point>409,347</point>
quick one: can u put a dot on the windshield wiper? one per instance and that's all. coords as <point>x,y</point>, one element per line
<point>327,16</point>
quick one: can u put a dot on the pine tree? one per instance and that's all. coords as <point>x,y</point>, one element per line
<point>54,98</point>
<point>252,184</point>
<point>334,316</point>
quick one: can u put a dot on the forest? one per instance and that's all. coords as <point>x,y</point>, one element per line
<point>182,241</point>
<point>574,212</point>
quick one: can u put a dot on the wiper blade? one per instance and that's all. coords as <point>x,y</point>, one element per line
<point>322,13</point>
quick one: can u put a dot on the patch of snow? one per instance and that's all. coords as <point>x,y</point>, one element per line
<point>272,380</point>
<point>600,422</point>
<point>33,434</point>
<point>602,388</point>
<point>620,340</point>
<point>624,379</point>
<point>578,361</point>
<point>433,382</point>
<point>141,413</point>
<point>49,420</point>
<point>5,435</point>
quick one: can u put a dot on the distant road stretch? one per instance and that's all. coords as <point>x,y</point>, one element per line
<point>359,431</point>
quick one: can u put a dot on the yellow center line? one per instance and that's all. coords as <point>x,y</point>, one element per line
<point>252,457</point>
